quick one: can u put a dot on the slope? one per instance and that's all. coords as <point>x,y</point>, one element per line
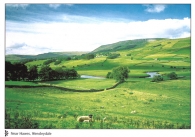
<point>15,57</point>
<point>123,45</point>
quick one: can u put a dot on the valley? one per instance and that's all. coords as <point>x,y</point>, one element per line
<point>136,103</point>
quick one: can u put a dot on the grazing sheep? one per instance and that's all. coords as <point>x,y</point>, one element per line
<point>85,118</point>
<point>133,112</point>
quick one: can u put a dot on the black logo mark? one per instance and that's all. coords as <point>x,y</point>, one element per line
<point>6,133</point>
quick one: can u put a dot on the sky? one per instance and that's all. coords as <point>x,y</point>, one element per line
<point>32,29</point>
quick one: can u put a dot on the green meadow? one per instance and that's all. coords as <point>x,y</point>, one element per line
<point>136,103</point>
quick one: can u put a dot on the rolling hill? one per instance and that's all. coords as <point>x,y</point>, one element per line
<point>150,47</point>
<point>148,55</point>
<point>139,55</point>
<point>15,57</point>
<point>124,45</point>
<point>152,105</point>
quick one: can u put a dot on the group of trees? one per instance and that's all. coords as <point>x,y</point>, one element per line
<point>89,56</point>
<point>76,57</point>
<point>171,76</point>
<point>46,73</point>
<point>47,62</point>
<point>56,60</point>
<point>84,56</point>
<point>15,72</point>
<point>113,56</point>
<point>19,71</point>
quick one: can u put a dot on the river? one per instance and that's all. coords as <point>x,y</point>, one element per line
<point>91,77</point>
<point>152,74</point>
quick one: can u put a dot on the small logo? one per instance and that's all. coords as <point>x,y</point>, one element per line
<point>6,133</point>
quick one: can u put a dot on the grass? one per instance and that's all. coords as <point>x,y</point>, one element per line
<point>36,62</point>
<point>83,83</point>
<point>99,72</point>
<point>170,103</point>
<point>79,84</point>
<point>20,83</point>
<point>136,103</point>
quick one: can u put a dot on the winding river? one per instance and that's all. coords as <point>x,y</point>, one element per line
<point>91,77</point>
<point>151,75</point>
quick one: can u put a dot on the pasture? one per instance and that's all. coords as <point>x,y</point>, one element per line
<point>136,103</point>
<point>133,104</point>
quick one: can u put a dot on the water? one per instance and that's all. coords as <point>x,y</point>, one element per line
<point>91,77</point>
<point>152,74</point>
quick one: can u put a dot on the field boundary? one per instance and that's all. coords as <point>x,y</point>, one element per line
<point>63,88</point>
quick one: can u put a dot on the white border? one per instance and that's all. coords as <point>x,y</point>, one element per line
<point>97,133</point>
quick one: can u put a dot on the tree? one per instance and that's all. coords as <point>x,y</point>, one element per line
<point>20,71</point>
<point>45,73</point>
<point>172,75</point>
<point>57,62</point>
<point>61,73</point>
<point>68,58</point>
<point>72,73</point>
<point>17,71</point>
<point>120,73</point>
<point>157,78</point>
<point>47,62</point>
<point>113,56</point>
<point>8,70</point>
<point>33,73</point>
<point>109,75</point>
<point>89,56</point>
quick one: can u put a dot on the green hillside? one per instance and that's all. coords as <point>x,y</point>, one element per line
<point>137,103</point>
<point>15,58</point>
<point>123,45</point>
<point>155,55</point>
<point>132,52</point>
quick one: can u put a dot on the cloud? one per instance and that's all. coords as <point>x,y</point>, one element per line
<point>68,4</point>
<point>18,5</point>
<point>24,49</point>
<point>155,8</point>
<point>55,6</point>
<point>86,36</point>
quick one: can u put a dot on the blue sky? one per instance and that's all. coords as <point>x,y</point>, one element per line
<point>41,28</point>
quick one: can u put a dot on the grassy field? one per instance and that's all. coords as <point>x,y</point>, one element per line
<point>20,83</point>
<point>59,108</point>
<point>136,103</point>
<point>82,84</point>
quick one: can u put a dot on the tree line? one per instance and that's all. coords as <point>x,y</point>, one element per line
<point>19,71</point>
<point>76,57</point>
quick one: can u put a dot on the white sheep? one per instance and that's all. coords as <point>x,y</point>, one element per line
<point>85,118</point>
<point>133,112</point>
